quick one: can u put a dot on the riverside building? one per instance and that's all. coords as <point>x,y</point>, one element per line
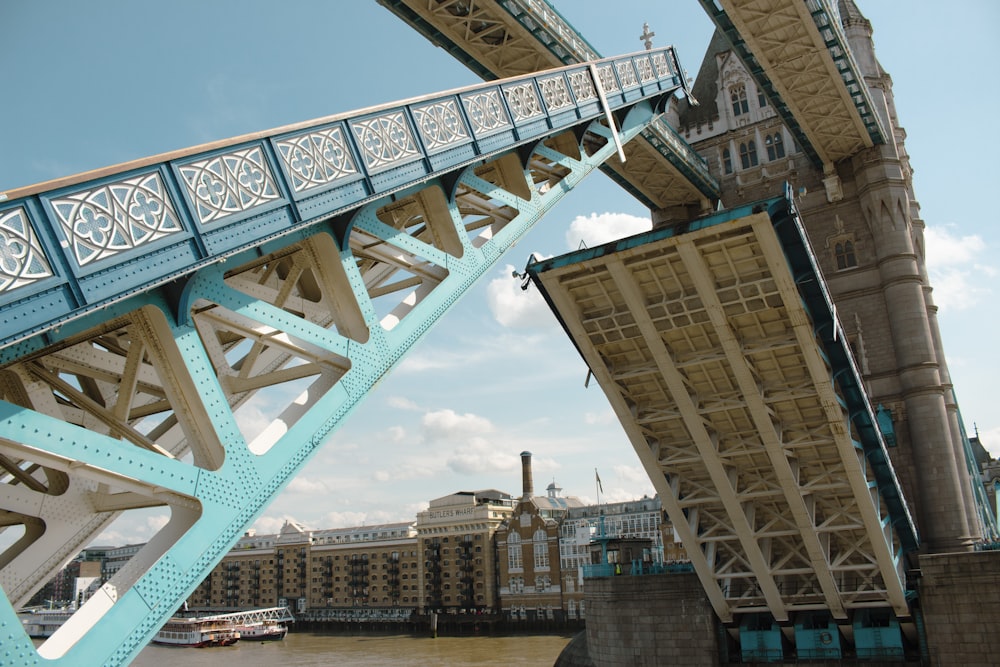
<point>468,552</point>
<point>443,562</point>
<point>455,535</point>
<point>543,548</point>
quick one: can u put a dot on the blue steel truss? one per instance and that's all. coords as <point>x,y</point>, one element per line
<point>551,33</point>
<point>143,306</point>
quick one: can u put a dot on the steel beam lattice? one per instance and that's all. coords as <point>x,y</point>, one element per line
<point>148,309</point>
<point>796,50</point>
<point>720,353</point>
<point>500,38</point>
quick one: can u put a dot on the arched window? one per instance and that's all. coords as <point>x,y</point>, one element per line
<point>844,252</point>
<point>775,146</point>
<point>727,161</point>
<point>738,97</point>
<point>514,558</point>
<point>761,99</point>
<point>748,155</point>
<point>541,549</point>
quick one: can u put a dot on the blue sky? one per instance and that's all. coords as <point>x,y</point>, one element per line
<point>90,84</point>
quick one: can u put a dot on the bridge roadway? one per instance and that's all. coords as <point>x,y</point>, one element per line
<point>144,305</point>
<point>500,38</point>
<point>720,351</point>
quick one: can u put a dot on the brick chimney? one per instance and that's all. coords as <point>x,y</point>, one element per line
<point>527,487</point>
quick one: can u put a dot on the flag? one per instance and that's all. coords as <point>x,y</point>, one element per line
<point>598,478</point>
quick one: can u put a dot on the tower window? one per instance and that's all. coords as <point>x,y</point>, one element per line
<point>775,146</point>
<point>738,97</point>
<point>748,155</point>
<point>727,161</point>
<point>844,254</point>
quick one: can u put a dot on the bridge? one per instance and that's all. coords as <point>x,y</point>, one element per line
<point>144,305</point>
<point>721,353</point>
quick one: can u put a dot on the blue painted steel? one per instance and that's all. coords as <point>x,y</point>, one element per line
<point>101,240</point>
<point>760,639</point>
<point>985,512</point>
<point>877,635</point>
<point>222,209</point>
<point>817,637</point>
<point>832,338</point>
<point>557,36</point>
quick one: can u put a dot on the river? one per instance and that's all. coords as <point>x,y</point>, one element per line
<point>321,650</point>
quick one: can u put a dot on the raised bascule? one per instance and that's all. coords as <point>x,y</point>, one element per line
<point>146,304</point>
<point>146,307</point>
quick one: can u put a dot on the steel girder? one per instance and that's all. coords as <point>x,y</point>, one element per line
<point>138,383</point>
<point>743,407</point>
<point>798,53</point>
<point>662,170</point>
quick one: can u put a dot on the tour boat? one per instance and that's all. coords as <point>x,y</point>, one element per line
<point>197,632</point>
<point>264,631</point>
<point>42,623</point>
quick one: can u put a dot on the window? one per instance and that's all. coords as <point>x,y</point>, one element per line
<point>738,97</point>
<point>514,557</point>
<point>844,254</point>
<point>727,161</point>
<point>775,146</point>
<point>748,155</point>
<point>541,548</point>
<point>761,99</point>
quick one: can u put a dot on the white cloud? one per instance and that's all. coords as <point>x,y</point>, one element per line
<point>437,359</point>
<point>449,425</point>
<point>990,439</point>
<point>344,519</point>
<point>269,525</point>
<point>156,523</point>
<point>301,484</point>
<point>514,307</point>
<point>960,282</point>
<point>402,403</point>
<point>480,456</point>
<point>381,476</point>
<point>397,433</point>
<point>600,228</point>
<point>600,418</point>
<point>635,478</point>
<point>945,249</point>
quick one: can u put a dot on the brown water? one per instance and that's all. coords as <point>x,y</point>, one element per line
<point>316,650</point>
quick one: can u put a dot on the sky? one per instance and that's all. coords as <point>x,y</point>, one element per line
<point>90,84</point>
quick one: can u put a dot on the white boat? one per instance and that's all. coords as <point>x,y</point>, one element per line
<point>197,632</point>
<point>264,631</point>
<point>41,623</point>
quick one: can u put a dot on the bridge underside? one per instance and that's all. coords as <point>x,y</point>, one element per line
<point>718,350</point>
<point>502,38</point>
<point>798,53</point>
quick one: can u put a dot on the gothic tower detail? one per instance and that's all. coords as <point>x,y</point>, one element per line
<point>864,223</point>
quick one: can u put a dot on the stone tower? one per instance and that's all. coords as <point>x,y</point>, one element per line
<point>864,224</point>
